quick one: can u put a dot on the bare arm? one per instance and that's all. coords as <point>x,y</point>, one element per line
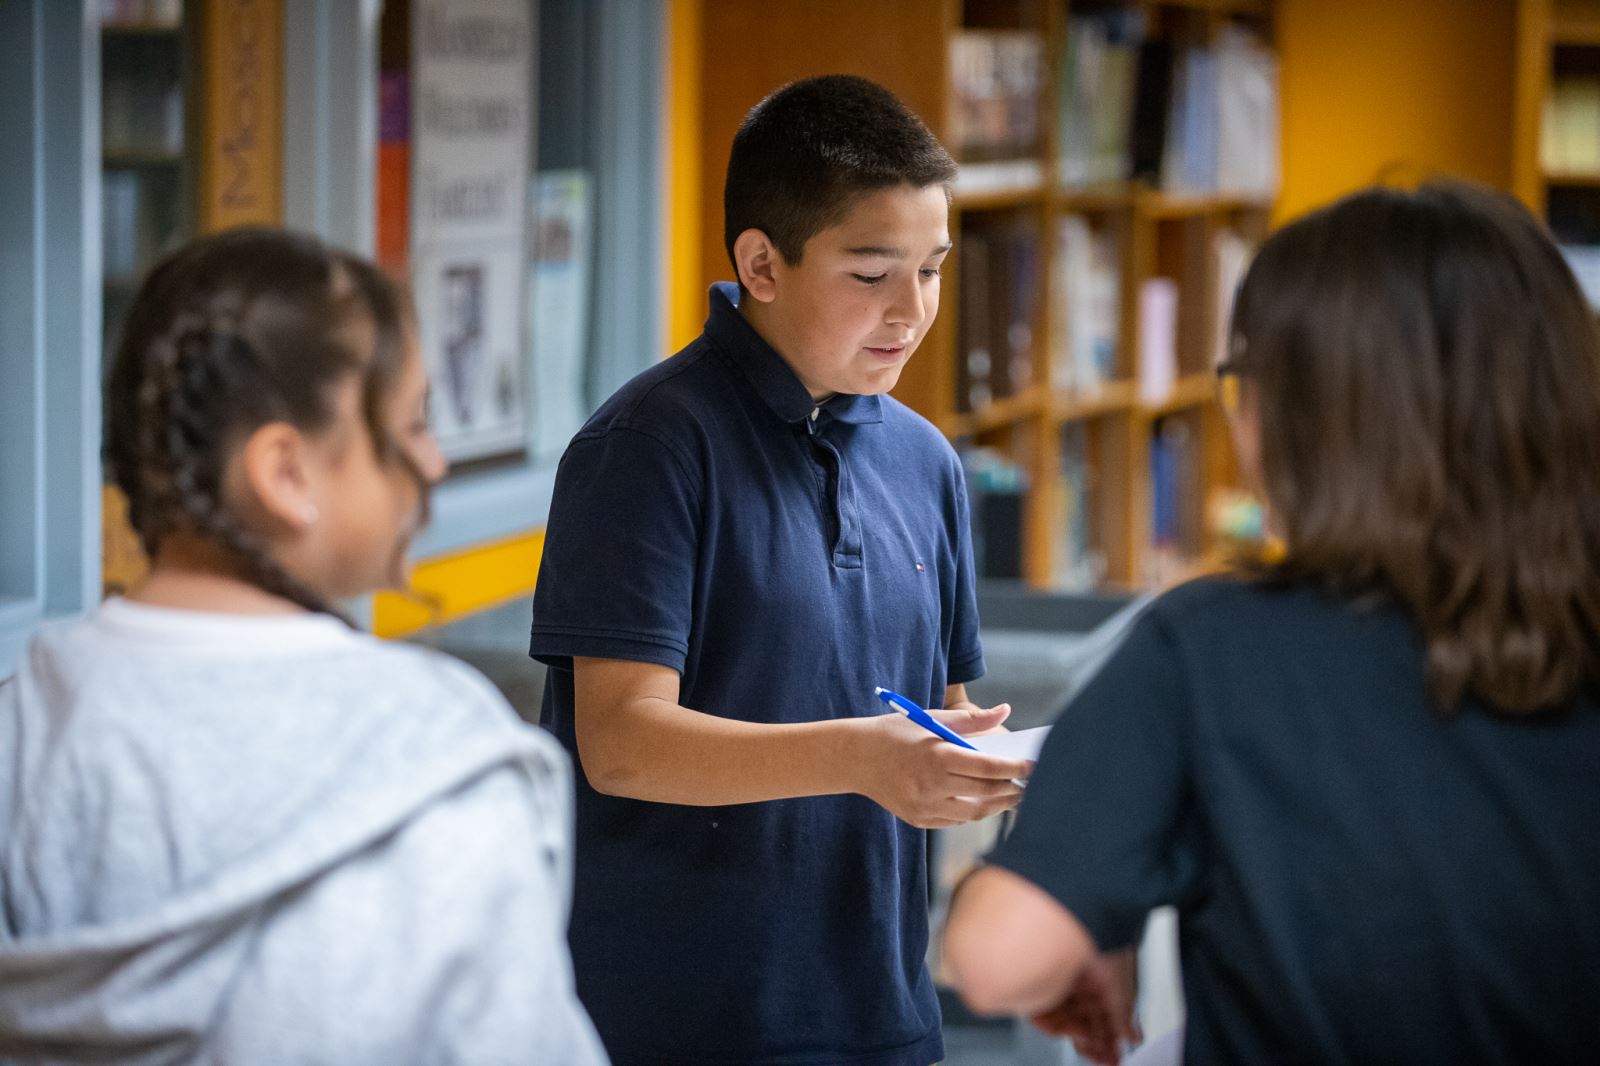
<point>636,740</point>
<point>1010,947</point>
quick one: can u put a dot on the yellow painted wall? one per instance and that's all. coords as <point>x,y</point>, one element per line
<point>685,300</point>
<point>452,586</point>
<point>1408,87</point>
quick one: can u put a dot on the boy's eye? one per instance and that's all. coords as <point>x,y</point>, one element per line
<point>930,272</point>
<point>869,279</point>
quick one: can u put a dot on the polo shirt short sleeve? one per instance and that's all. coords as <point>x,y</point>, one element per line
<point>619,585</point>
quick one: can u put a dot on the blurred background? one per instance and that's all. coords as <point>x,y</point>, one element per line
<point>546,177</point>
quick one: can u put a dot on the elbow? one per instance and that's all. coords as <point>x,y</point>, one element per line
<point>980,974</point>
<point>598,761</point>
<point>607,774</point>
<point>614,767</point>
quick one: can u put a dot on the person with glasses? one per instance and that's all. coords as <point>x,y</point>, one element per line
<point>1366,772</point>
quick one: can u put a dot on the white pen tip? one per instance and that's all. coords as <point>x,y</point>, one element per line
<point>879,691</point>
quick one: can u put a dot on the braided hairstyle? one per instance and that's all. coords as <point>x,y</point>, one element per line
<point>227,334</point>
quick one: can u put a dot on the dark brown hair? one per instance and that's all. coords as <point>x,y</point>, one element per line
<point>807,153</point>
<point>1427,377</point>
<point>227,334</point>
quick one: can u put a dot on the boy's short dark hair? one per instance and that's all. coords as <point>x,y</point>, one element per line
<point>806,153</point>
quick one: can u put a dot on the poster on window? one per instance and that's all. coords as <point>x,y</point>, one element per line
<point>561,218</point>
<point>471,105</point>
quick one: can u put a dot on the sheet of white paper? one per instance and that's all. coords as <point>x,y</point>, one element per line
<point>1023,744</point>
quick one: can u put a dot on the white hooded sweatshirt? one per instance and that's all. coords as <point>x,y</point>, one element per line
<point>273,840</point>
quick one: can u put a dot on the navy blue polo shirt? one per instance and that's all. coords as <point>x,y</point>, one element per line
<point>785,558</point>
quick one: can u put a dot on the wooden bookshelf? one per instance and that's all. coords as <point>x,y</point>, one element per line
<point>1060,437</point>
<point>1556,170</point>
<point>1556,39</point>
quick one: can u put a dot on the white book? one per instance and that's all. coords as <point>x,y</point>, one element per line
<point>1158,339</point>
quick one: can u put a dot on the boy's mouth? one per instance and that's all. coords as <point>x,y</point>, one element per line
<point>888,354</point>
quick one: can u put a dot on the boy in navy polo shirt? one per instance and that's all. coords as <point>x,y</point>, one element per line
<point>745,540</point>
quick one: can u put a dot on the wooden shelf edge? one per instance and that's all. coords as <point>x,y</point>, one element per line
<point>141,29</point>
<point>1189,391</point>
<point>1575,27</point>
<point>1174,206</point>
<point>998,199</point>
<point>1572,178</point>
<point>1258,8</point>
<point>998,414</point>
<point>1090,199</point>
<point>1156,203</point>
<point>1115,397</point>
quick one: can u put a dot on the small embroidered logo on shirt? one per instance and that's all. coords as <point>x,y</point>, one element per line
<point>920,567</point>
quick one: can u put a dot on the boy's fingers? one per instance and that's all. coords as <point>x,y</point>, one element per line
<point>985,787</point>
<point>966,720</point>
<point>978,764</point>
<point>973,810</point>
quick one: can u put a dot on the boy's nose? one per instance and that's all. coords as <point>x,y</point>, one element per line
<point>909,306</point>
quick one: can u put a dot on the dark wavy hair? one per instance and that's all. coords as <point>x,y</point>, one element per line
<point>227,334</point>
<point>1427,377</point>
<point>804,155</point>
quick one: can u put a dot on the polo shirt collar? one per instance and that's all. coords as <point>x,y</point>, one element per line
<point>772,378</point>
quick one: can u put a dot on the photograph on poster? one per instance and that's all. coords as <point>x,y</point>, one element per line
<point>462,338</point>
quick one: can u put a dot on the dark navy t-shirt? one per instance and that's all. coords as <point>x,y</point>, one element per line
<point>1358,878</point>
<point>785,559</point>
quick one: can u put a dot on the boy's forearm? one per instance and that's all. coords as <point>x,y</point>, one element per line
<point>667,753</point>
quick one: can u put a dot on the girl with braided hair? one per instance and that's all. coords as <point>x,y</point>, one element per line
<point>232,828</point>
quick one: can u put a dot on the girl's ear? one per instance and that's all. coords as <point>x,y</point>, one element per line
<point>272,472</point>
<point>756,257</point>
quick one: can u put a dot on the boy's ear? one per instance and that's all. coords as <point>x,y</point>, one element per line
<point>756,257</point>
<point>273,479</point>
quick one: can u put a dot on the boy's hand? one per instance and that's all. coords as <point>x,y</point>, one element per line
<point>970,720</point>
<point>932,783</point>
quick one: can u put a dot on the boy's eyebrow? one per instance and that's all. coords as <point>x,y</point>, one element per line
<point>884,252</point>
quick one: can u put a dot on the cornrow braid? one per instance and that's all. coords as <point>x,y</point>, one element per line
<point>181,464</point>
<point>229,333</point>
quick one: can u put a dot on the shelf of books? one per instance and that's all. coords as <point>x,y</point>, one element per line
<point>146,176</point>
<point>1557,157</point>
<point>1124,160</point>
<point>1119,159</point>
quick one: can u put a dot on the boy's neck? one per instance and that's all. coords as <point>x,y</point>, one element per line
<point>761,319</point>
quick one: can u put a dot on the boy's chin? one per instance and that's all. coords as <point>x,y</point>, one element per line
<point>877,382</point>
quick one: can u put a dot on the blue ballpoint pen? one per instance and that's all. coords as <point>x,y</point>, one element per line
<point>921,717</point>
